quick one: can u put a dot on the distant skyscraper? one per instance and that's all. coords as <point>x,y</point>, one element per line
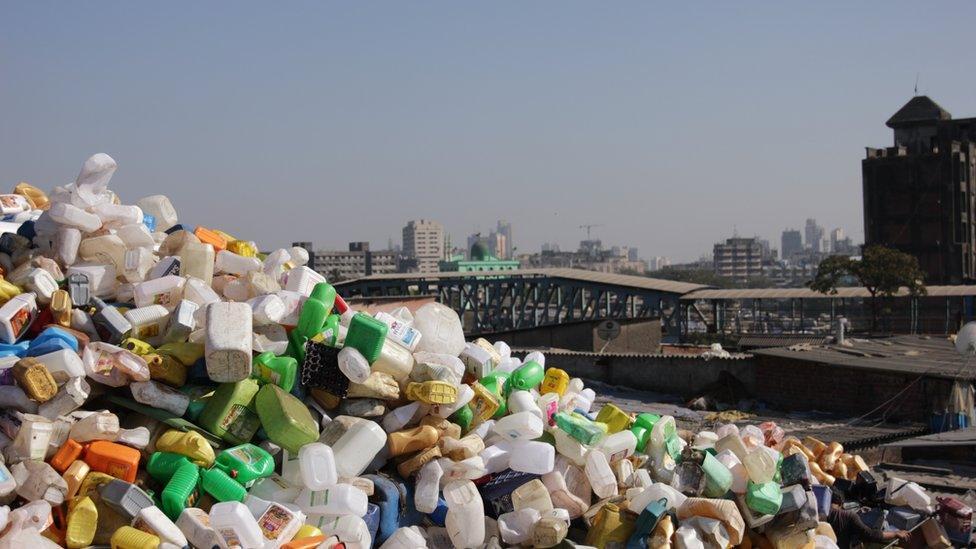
<point>836,238</point>
<point>814,235</point>
<point>423,240</point>
<point>505,229</point>
<point>791,243</point>
<point>657,263</point>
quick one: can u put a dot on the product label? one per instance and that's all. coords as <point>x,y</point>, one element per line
<point>163,299</point>
<point>240,422</point>
<point>230,537</point>
<point>243,454</point>
<point>274,520</point>
<point>151,330</point>
<point>267,374</point>
<point>20,320</point>
<point>320,497</point>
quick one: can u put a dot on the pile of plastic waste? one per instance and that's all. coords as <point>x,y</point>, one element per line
<point>169,386</point>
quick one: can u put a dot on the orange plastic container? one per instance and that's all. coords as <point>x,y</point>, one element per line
<point>208,236</point>
<point>66,455</point>
<point>113,459</point>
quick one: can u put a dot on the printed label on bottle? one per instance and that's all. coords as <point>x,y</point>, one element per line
<point>240,422</point>
<point>117,470</point>
<point>320,497</point>
<point>19,321</point>
<point>151,330</point>
<point>230,537</point>
<point>243,454</point>
<point>163,299</point>
<point>274,520</point>
<point>267,374</point>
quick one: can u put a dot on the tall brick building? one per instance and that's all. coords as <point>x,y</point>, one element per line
<point>920,194</point>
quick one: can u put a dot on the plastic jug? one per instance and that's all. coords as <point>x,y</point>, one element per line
<point>405,538</point>
<point>230,414</point>
<point>285,419</point>
<point>357,447</point>
<point>764,498</point>
<point>532,457</point>
<point>353,365</point>
<point>610,525</point>
<point>411,440</point>
<point>228,343</point>
<point>339,499</point>
<point>317,465</point>
<point>600,475</point>
<point>427,487</point>
<point>441,328</point>
<point>194,523</point>
<point>761,465</point>
<point>181,490</point>
<point>236,525</point>
<point>521,426</point>
<point>532,494</point>
<point>154,521</point>
<point>114,459</point>
<point>465,514</point>
<point>277,522</point>
<point>187,443</point>
<point>128,537</point>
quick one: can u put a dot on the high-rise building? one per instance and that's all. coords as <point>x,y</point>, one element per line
<point>423,241</point>
<point>791,243</point>
<point>657,263</point>
<point>814,236</point>
<point>920,193</point>
<point>836,240</point>
<point>738,258</point>
<point>504,229</point>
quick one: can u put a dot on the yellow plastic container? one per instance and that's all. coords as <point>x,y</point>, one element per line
<point>616,419</point>
<point>75,475</point>
<point>190,444</point>
<point>35,197</point>
<point>307,531</point>
<point>35,379</point>
<point>432,392</point>
<point>166,369</point>
<point>61,307</point>
<point>484,404</point>
<point>610,525</point>
<point>128,537</point>
<point>92,481</point>
<point>556,381</point>
<point>185,352</point>
<point>8,290</point>
<point>137,346</point>
<point>242,248</point>
<point>82,523</point>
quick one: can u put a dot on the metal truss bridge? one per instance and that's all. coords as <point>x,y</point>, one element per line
<point>527,298</point>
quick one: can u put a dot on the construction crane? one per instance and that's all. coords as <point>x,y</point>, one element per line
<point>590,226</point>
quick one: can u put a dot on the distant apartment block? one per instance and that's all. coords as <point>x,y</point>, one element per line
<point>423,241</point>
<point>738,258</point>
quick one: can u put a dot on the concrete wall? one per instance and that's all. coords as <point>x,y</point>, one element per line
<point>685,376</point>
<point>788,384</point>
<point>636,336</point>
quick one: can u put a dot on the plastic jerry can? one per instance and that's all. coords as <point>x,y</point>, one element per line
<point>117,460</point>
<point>162,465</point>
<point>245,463</point>
<point>618,446</point>
<point>148,323</point>
<point>357,447</point>
<point>66,455</point>
<point>187,443</point>
<point>63,365</point>
<point>194,523</point>
<point>278,523</point>
<point>61,307</point>
<point>35,379</point>
<point>221,486</point>
<point>230,414</point>
<point>764,498</point>
<point>365,333</point>
<point>281,371</point>
<point>610,525</point>
<point>399,331</point>
<point>157,395</point>
<point>166,369</point>
<point>432,392</point>
<point>760,464</point>
<point>340,499</point>
<point>317,464</point>
<point>532,495</point>
<point>73,476</point>
<point>718,477</point>
<point>616,419</point>
<point>152,520</point>
<point>353,365</point>
<point>124,498</point>
<point>600,475</point>
<point>465,514</point>
<point>484,404</point>
<point>228,343</point>
<point>82,521</point>
<point>285,419</point>
<point>555,381</point>
<point>394,360</point>
<point>128,537</point>
<point>181,490</point>
<point>412,440</point>
<point>527,376</point>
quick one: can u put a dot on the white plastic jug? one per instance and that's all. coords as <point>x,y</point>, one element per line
<point>302,280</point>
<point>236,525</point>
<point>441,329</point>
<point>357,447</point>
<point>428,486</point>
<point>600,475</point>
<point>160,207</point>
<point>155,394</point>
<point>465,514</point>
<point>63,365</point>
<point>166,291</point>
<point>532,494</point>
<point>655,492</point>
<point>352,531</point>
<point>516,526</point>
<point>618,445</point>
<point>194,523</point>
<point>395,360</point>
<point>521,426</point>
<point>740,477</point>
<point>406,537</point>
<point>760,463</point>
<point>353,364</point>
<point>317,465</point>
<point>267,309</point>
<point>532,457</point>
<point>339,499</point>
<point>153,520</point>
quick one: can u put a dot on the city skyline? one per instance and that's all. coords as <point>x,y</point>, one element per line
<point>550,118</point>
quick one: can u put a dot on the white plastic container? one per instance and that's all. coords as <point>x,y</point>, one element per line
<point>293,305</point>
<point>441,328</point>
<point>302,280</point>
<point>600,475</point>
<point>73,216</point>
<point>7,483</point>
<point>524,401</point>
<point>733,443</point>
<point>339,499</point>
<point>114,216</point>
<point>352,531</point>
<point>465,514</point>
<point>71,396</point>
<point>160,208</point>
<point>395,360</point>
<point>400,417</point>
<point>41,283</point>
<point>279,523</point>
<point>516,527</point>
<point>274,488</point>
<point>399,331</point>
<point>405,538</point>
<point>199,292</point>
<point>521,426</point>
<point>96,426</point>
<point>532,457</point>
<point>136,264</point>
<point>148,323</point>
<point>102,280</point>
<point>740,477</point>
<point>686,537</point>
<point>427,486</point>
<point>32,438</point>
<point>166,291</point>
<point>618,445</point>
<point>67,242</point>
<point>107,248</point>
<point>236,525</point>
<point>496,457</point>
<point>16,316</point>
<point>317,466</point>
<point>157,395</point>
<point>267,309</point>
<point>909,494</point>
<point>231,263</point>
<point>654,492</point>
<point>353,365</point>
<point>63,365</point>
<point>569,447</point>
<point>357,447</point>
<point>194,523</point>
<point>478,362</point>
<point>532,494</point>
<point>182,321</point>
<point>197,260</point>
<point>153,520</point>
<point>136,235</point>
<point>761,464</point>
<point>228,344</point>
<point>535,356</point>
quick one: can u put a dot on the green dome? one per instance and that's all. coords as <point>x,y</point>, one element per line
<point>479,252</point>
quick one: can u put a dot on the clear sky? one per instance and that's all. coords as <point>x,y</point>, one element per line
<point>339,121</point>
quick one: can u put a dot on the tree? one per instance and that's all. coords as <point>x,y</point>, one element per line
<point>882,271</point>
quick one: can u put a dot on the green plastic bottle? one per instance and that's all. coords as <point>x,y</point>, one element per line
<point>316,309</point>
<point>765,498</point>
<point>330,332</point>
<point>278,370</point>
<point>296,346</point>
<point>285,419</point>
<point>366,335</point>
<point>525,377</point>
<point>496,382</point>
<point>463,417</point>
<point>245,463</point>
<point>230,414</point>
<point>642,435</point>
<point>647,421</point>
<point>585,431</point>
<point>718,478</point>
<point>162,465</point>
<point>181,491</point>
<point>221,486</point>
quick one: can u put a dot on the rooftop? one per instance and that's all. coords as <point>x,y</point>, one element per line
<point>918,109</point>
<point>921,355</point>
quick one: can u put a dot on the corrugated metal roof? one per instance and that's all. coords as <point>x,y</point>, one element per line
<point>778,340</point>
<point>920,355</point>
<point>806,293</point>
<point>693,355</point>
<point>631,281</point>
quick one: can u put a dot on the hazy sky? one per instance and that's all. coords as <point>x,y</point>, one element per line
<point>339,121</point>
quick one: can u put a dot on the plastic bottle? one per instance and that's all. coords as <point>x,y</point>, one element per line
<point>353,365</point>
<point>411,440</point>
<point>194,523</point>
<point>465,514</point>
<point>441,329</point>
<point>187,443</point>
<point>96,426</point>
<point>16,315</point>
<point>63,365</point>
<point>339,499</point>
<point>236,525</point>
<point>277,522</point>
<point>761,465</point>
<point>405,538</point>
<point>427,487</point>
<point>82,522</point>
<point>400,332</point>
<point>197,260</point>
<point>357,447</point>
<point>285,418</point>
<point>221,486</point>
<point>181,490</point>
<point>317,465</point>
<point>160,396</point>
<point>600,475</point>
<point>228,343</point>
<point>527,376</point>
<point>230,414</point>
<point>516,527</point>
<point>128,537</point>
<point>154,521</point>
<point>245,463</point>
<point>618,446</point>
<point>532,494</point>
<point>114,459</point>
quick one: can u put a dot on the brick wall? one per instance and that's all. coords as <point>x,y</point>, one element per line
<point>790,384</point>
